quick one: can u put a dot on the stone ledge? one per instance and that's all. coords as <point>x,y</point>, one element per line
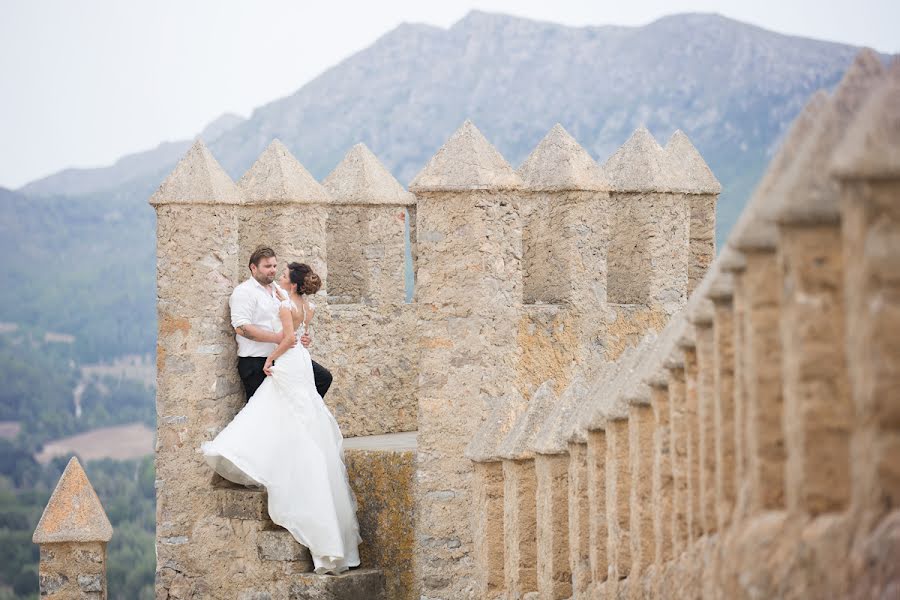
<point>364,584</point>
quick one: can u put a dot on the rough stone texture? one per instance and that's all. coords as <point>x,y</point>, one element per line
<point>763,416</point>
<point>466,339</point>
<point>551,437</point>
<point>818,410</point>
<point>198,390</point>
<point>360,178</point>
<point>197,179</point>
<point>520,527</point>
<point>723,340</point>
<point>375,383</point>
<point>359,583</point>
<point>618,499</point>
<point>370,351</point>
<point>641,165</point>
<point>871,255</point>
<point>383,481</point>
<point>558,163</point>
<point>579,519</point>
<point>702,188</point>
<point>692,439</point>
<point>73,513</point>
<point>661,477</point>
<point>277,177</point>
<point>466,162</point>
<point>488,529</point>
<point>73,570</point>
<point>554,575</point>
<point>641,458</point>
<point>485,444</point>
<point>598,529</point>
<point>678,445</point>
<point>706,419</point>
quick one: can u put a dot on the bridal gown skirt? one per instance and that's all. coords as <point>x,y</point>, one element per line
<point>287,440</point>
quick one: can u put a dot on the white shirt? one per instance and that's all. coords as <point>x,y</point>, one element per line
<point>252,304</point>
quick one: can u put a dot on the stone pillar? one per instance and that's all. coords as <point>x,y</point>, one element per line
<point>466,226</point>
<point>73,533</point>
<point>596,479</point>
<point>866,163</point>
<point>579,518</point>
<point>283,207</point>
<point>662,472</point>
<point>649,245</point>
<point>701,189</point>
<point>564,213</point>
<point>702,319</point>
<point>520,493</point>
<point>198,389</point>
<point>552,469</point>
<point>721,293</point>
<point>641,458</point>
<point>867,167</point>
<point>369,345</point>
<point>488,490</point>
<point>758,393</point>
<point>818,408</point>
<point>691,428</point>
<point>678,443</point>
<point>618,497</point>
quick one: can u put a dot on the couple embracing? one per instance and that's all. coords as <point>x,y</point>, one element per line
<point>285,439</point>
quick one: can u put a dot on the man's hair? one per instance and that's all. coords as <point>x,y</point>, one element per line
<point>259,254</point>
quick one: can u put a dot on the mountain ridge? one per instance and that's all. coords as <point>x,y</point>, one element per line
<point>732,88</point>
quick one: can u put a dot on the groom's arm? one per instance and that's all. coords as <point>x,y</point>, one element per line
<point>241,304</point>
<point>258,334</point>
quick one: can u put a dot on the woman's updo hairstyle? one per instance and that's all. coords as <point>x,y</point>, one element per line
<point>304,278</point>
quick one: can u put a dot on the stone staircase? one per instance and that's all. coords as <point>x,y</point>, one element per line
<point>381,470</point>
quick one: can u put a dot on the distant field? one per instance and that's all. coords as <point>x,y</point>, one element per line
<point>121,443</point>
<point>9,429</point>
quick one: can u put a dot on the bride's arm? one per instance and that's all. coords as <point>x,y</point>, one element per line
<point>287,340</point>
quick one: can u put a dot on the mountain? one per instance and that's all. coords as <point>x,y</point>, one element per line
<point>733,88</point>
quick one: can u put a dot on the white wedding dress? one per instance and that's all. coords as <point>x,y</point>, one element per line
<point>287,440</point>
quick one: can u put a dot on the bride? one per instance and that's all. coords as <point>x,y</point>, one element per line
<point>287,440</point>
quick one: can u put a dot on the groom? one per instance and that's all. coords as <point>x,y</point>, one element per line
<point>254,310</point>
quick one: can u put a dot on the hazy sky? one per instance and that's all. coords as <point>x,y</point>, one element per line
<point>84,81</point>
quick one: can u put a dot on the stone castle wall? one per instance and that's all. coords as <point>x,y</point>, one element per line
<point>584,429</point>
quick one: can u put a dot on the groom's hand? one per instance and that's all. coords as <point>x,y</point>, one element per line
<point>305,340</point>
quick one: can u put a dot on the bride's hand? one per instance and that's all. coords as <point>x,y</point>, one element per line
<point>267,368</point>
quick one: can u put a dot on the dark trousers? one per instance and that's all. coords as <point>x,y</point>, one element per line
<point>250,368</point>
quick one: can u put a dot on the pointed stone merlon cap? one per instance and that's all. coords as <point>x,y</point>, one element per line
<point>641,165</point>
<point>656,373</point>
<point>559,163</point>
<point>755,229</point>
<point>484,446</point>
<point>74,513</point>
<point>808,196</point>
<point>466,162</point>
<point>278,178</point>
<point>518,442</point>
<point>871,146</point>
<point>694,175</point>
<point>577,430</point>
<point>731,261</point>
<point>553,436</point>
<point>609,404</point>
<point>360,178</point>
<point>197,179</point>
<point>699,307</point>
<point>721,286</point>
